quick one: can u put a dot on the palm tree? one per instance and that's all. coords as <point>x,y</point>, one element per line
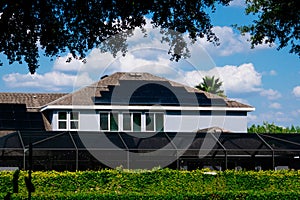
<point>211,85</point>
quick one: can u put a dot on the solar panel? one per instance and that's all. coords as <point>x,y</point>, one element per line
<point>149,93</point>
<point>16,117</point>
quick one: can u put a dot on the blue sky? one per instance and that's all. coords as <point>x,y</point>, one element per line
<point>262,77</point>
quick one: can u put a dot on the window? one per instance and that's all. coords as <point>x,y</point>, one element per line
<point>127,122</point>
<point>150,122</point>
<point>132,122</point>
<point>136,118</point>
<point>154,122</point>
<point>114,122</point>
<point>62,120</point>
<point>74,120</point>
<point>104,121</point>
<point>68,120</point>
<point>138,122</point>
<point>109,121</point>
<point>159,121</point>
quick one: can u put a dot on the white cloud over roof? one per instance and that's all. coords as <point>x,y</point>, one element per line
<point>150,55</point>
<point>239,79</point>
<point>51,81</point>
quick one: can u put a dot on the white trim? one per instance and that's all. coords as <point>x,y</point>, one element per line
<point>156,108</point>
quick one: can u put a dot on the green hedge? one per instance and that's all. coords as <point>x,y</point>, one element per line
<point>158,184</point>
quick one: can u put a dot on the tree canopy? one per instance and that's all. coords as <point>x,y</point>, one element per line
<point>278,20</point>
<point>77,26</point>
<point>212,85</point>
<point>272,128</point>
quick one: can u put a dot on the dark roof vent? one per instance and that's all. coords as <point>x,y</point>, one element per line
<point>104,77</point>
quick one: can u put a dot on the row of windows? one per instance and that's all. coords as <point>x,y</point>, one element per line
<point>110,121</point>
<point>132,122</point>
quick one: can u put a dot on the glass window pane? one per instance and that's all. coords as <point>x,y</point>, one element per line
<point>136,121</point>
<point>104,121</point>
<point>62,115</point>
<point>126,121</point>
<point>62,125</point>
<point>74,124</point>
<point>149,121</point>
<point>74,115</point>
<point>114,122</point>
<point>159,119</point>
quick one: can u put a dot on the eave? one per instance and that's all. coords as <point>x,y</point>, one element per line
<point>155,107</point>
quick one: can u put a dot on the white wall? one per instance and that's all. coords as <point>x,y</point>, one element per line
<point>89,121</point>
<point>192,123</point>
<point>189,122</point>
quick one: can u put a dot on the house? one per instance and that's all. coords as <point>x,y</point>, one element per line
<point>136,120</point>
<point>123,102</point>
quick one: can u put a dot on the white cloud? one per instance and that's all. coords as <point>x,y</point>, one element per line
<point>150,55</point>
<point>51,81</point>
<point>60,64</point>
<point>296,113</point>
<point>251,118</point>
<point>296,91</point>
<point>273,73</point>
<point>275,105</point>
<point>238,79</point>
<point>237,3</point>
<point>271,117</point>
<point>231,42</point>
<point>270,94</point>
<point>244,101</point>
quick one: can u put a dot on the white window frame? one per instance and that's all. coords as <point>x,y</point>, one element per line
<point>62,120</point>
<point>74,120</point>
<point>155,121</point>
<point>130,114</point>
<point>163,117</point>
<point>108,120</point>
<point>131,121</point>
<point>68,120</point>
<point>118,121</point>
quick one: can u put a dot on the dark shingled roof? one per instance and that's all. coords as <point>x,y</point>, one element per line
<point>86,95</point>
<point>33,101</point>
<point>21,111</point>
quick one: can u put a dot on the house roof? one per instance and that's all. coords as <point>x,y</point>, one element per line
<point>33,101</point>
<point>86,95</point>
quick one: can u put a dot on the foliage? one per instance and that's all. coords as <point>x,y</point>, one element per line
<point>278,20</point>
<point>212,85</point>
<point>76,26</point>
<point>159,184</point>
<point>272,128</point>
<point>15,181</point>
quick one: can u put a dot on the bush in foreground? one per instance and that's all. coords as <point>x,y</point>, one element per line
<point>159,184</point>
